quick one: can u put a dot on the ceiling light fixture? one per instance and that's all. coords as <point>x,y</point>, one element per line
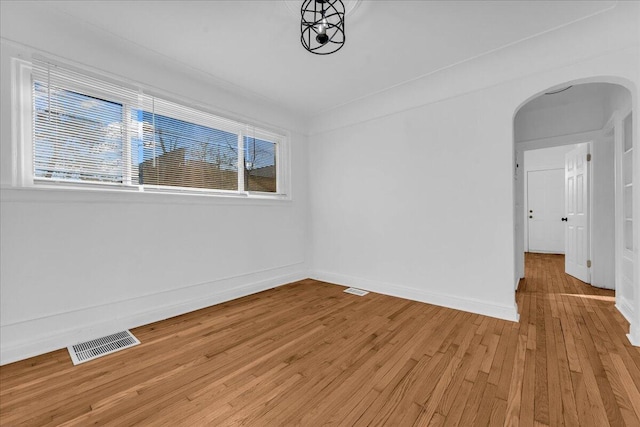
<point>322,26</point>
<point>553,92</point>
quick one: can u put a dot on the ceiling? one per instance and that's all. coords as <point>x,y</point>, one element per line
<point>590,93</point>
<point>255,44</point>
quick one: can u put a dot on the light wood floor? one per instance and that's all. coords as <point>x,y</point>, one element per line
<point>309,354</point>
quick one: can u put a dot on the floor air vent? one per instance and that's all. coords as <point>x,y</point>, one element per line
<point>355,291</point>
<point>93,349</point>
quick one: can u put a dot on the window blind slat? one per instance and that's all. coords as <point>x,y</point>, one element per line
<point>95,131</point>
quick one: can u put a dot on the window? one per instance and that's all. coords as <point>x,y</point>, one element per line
<point>184,154</point>
<point>76,137</point>
<point>88,130</point>
<point>259,165</point>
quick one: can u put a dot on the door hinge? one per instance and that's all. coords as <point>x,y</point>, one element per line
<point>589,157</point>
<point>588,263</point>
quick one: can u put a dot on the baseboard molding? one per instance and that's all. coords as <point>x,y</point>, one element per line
<point>635,341</point>
<point>607,287</point>
<point>484,308</point>
<point>65,332</point>
<point>625,308</point>
<point>34,337</point>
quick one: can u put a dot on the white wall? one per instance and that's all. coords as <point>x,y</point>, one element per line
<point>396,210</point>
<point>407,192</point>
<point>412,189</point>
<point>603,228</point>
<point>546,158</point>
<point>559,120</point>
<point>577,119</point>
<point>79,264</point>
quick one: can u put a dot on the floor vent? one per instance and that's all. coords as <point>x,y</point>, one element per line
<point>93,349</point>
<point>355,291</point>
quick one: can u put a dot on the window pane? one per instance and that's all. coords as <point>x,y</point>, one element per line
<point>177,153</point>
<point>260,165</point>
<point>76,137</point>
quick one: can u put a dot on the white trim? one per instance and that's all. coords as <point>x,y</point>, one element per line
<point>617,115</point>
<point>485,308</point>
<point>22,134</point>
<point>590,207</point>
<point>624,307</point>
<point>556,141</point>
<point>54,194</point>
<point>634,327</point>
<point>240,161</point>
<point>19,342</point>
<point>537,144</point>
<point>21,129</point>
<point>615,125</point>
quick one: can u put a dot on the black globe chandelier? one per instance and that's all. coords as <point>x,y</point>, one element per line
<point>322,26</point>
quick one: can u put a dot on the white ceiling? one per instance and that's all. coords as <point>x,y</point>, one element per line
<point>255,44</point>
<point>590,93</point>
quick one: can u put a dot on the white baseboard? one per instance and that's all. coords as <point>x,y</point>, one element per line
<point>38,336</point>
<point>625,308</point>
<point>485,308</point>
<point>42,335</point>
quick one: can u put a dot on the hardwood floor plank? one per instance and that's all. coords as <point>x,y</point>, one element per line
<point>629,386</point>
<point>514,398</point>
<point>309,354</point>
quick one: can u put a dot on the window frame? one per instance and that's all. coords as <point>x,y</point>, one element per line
<point>23,173</point>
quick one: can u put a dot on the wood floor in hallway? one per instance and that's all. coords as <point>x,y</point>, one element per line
<point>308,354</point>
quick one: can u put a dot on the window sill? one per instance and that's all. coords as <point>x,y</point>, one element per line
<point>43,193</point>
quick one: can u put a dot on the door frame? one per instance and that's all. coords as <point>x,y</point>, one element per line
<point>611,131</point>
<point>537,144</point>
<point>520,177</point>
<point>526,206</point>
<point>614,129</point>
<point>518,147</point>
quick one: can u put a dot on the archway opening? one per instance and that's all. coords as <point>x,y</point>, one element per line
<point>596,117</point>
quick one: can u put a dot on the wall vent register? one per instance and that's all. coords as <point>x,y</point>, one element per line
<point>89,350</point>
<point>355,291</point>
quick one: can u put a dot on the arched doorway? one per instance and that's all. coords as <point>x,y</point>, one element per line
<point>597,115</point>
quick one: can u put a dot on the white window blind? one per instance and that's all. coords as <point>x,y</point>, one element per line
<point>81,127</point>
<point>91,130</point>
<point>260,164</point>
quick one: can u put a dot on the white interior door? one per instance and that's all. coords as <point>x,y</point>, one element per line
<point>577,213</point>
<point>545,210</point>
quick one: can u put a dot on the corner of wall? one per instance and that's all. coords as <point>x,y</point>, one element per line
<point>33,337</point>
<point>476,306</point>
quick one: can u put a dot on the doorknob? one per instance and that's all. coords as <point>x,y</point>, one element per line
<point>565,219</point>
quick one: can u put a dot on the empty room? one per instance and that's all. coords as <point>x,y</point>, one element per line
<point>319,212</point>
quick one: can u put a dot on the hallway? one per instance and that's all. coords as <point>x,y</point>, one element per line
<point>579,367</point>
